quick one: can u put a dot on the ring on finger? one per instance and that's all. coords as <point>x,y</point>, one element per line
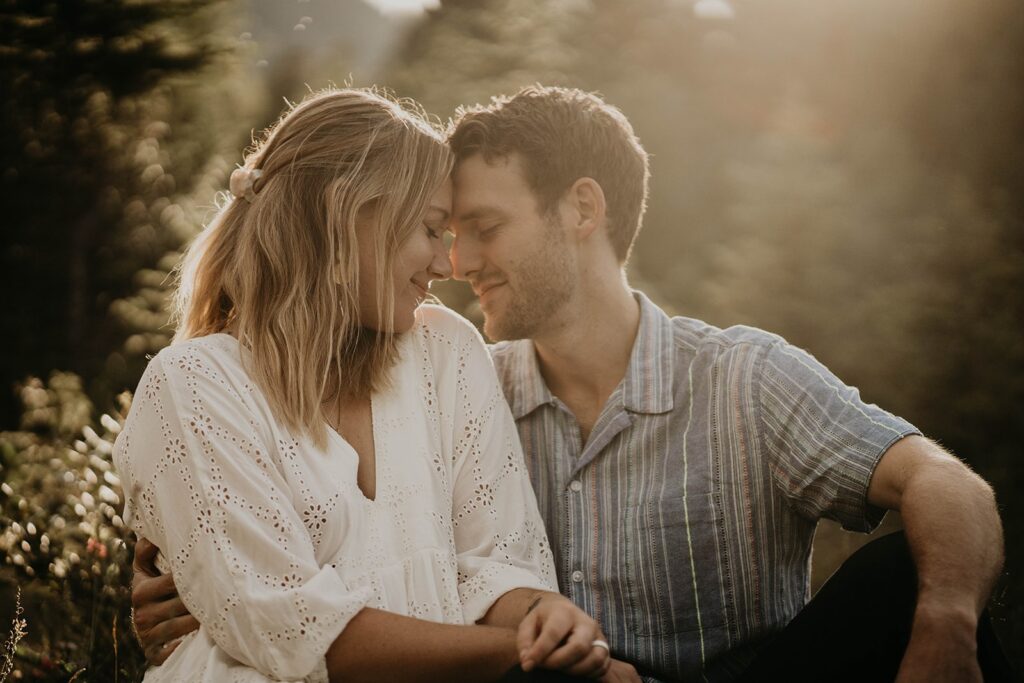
<point>602,644</point>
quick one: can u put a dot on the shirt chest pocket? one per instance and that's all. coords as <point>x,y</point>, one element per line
<point>669,578</point>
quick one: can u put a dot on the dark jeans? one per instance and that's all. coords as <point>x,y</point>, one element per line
<point>517,675</point>
<point>857,626</point>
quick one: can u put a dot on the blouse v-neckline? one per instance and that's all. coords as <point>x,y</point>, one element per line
<point>377,452</point>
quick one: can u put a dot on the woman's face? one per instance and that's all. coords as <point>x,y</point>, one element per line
<point>420,259</point>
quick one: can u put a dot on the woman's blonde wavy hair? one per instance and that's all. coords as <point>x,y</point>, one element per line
<point>280,270</point>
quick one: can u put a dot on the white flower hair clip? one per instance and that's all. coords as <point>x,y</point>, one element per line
<point>242,183</point>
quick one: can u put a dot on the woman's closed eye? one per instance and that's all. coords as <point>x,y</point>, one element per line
<point>435,232</point>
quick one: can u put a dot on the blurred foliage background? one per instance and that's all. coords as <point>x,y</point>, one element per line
<point>848,174</point>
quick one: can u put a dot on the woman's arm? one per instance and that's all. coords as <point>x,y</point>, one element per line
<point>375,645</point>
<point>381,646</point>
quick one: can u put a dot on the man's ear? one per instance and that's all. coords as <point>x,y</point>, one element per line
<point>587,201</point>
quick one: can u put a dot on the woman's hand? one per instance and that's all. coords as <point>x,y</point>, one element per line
<point>159,617</point>
<point>556,634</point>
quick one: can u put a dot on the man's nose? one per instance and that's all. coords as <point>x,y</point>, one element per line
<point>465,258</point>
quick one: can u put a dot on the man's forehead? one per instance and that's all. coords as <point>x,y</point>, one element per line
<point>476,170</point>
<point>488,185</point>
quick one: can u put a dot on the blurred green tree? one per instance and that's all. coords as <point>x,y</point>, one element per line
<point>91,91</point>
<point>124,119</point>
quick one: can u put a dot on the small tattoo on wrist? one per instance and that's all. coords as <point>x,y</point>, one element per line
<point>536,601</point>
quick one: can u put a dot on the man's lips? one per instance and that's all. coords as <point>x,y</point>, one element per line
<point>481,289</point>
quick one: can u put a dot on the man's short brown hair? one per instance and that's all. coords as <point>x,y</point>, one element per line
<point>561,135</point>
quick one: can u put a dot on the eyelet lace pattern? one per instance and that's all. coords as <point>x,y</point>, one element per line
<point>272,544</point>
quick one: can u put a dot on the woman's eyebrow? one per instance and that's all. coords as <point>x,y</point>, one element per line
<point>434,210</point>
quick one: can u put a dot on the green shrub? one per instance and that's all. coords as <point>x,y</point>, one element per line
<point>64,545</point>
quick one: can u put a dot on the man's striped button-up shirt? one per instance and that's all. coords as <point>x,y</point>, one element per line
<point>684,523</point>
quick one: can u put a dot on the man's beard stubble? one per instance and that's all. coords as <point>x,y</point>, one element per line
<point>540,285</point>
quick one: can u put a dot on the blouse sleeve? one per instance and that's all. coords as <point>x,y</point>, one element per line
<point>203,484</point>
<point>499,535</point>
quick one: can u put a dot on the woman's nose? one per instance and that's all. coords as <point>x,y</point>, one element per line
<point>440,264</point>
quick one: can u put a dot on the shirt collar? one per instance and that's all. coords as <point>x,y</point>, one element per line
<point>530,390</point>
<point>647,386</point>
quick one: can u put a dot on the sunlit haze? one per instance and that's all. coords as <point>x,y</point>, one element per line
<point>404,6</point>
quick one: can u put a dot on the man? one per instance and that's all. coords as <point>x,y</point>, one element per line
<point>681,469</point>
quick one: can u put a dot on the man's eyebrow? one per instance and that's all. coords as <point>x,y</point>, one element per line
<point>478,213</point>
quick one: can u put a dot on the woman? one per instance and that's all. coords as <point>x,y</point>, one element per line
<point>329,469</point>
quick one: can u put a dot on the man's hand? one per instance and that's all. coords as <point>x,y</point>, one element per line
<point>159,616</point>
<point>556,634</point>
<point>942,648</point>
<point>620,672</point>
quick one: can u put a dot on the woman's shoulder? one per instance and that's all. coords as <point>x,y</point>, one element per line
<point>214,357</point>
<point>451,343</point>
<point>209,345</point>
<point>204,378</point>
<point>188,380</point>
<point>441,324</point>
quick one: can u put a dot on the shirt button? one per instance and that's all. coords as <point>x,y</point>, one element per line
<point>576,485</point>
<point>577,576</point>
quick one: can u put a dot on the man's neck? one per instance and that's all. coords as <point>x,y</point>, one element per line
<point>586,357</point>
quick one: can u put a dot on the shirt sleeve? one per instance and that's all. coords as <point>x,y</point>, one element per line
<point>205,487</point>
<point>499,536</point>
<point>823,441</point>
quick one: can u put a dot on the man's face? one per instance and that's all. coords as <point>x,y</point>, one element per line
<point>517,259</point>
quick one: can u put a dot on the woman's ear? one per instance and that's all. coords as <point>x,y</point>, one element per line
<point>587,201</point>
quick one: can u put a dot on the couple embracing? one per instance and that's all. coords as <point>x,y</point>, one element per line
<point>339,481</point>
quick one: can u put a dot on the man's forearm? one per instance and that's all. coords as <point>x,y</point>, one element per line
<point>950,520</point>
<point>955,536</point>
<point>956,540</point>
